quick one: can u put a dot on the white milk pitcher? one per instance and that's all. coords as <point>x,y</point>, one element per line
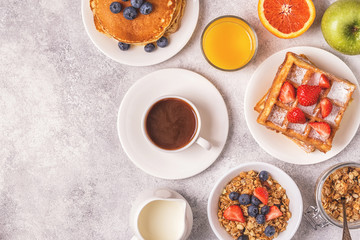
<point>161,214</point>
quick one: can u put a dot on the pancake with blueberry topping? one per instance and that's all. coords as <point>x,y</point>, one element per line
<point>142,29</point>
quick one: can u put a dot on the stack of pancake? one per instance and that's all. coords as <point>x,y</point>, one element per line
<point>163,20</point>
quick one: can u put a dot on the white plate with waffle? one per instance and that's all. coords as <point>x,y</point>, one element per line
<point>278,145</point>
<point>136,56</point>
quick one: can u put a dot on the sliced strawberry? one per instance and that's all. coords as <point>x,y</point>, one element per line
<point>308,95</point>
<point>321,128</point>
<point>324,81</point>
<point>261,194</point>
<point>325,107</point>
<point>234,213</point>
<point>274,212</point>
<point>295,115</point>
<point>287,93</point>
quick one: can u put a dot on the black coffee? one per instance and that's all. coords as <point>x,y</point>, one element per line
<point>171,123</point>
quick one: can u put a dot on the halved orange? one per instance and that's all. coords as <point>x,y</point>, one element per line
<point>286,18</point>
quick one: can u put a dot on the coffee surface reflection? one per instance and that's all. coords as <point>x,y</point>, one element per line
<point>171,123</point>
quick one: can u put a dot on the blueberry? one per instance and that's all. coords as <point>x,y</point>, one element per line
<point>260,219</point>
<point>255,201</point>
<point>149,47</point>
<point>243,237</point>
<point>244,199</point>
<point>269,231</point>
<point>253,211</point>
<point>130,13</point>
<point>146,8</point>
<point>115,7</point>
<point>265,210</point>
<point>264,175</point>
<point>125,0</point>
<point>137,3</point>
<point>123,46</point>
<point>234,196</point>
<point>162,42</point>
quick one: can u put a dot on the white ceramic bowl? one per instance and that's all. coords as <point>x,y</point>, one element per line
<point>292,191</point>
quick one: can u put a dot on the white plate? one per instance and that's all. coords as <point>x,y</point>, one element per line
<point>214,118</point>
<point>292,191</point>
<point>136,56</point>
<point>278,145</point>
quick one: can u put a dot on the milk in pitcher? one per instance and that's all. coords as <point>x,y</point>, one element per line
<point>162,220</point>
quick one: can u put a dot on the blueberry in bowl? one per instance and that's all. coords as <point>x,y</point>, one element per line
<point>255,201</point>
<point>253,211</point>
<point>263,175</point>
<point>265,210</point>
<point>234,196</point>
<point>269,231</point>
<point>243,237</point>
<point>260,219</point>
<point>244,199</point>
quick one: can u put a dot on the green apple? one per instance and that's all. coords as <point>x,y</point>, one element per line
<point>340,26</point>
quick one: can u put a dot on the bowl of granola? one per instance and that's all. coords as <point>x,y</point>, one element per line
<point>255,201</point>
<point>341,180</point>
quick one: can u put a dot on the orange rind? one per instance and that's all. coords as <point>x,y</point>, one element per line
<point>286,18</point>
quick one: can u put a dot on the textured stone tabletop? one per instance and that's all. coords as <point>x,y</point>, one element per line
<point>64,174</point>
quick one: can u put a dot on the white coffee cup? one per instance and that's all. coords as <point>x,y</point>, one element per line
<point>161,214</point>
<point>196,136</point>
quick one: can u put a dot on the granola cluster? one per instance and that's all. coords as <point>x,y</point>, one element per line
<point>245,183</point>
<point>344,182</point>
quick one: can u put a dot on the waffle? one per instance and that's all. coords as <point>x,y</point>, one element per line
<point>298,71</point>
<point>307,148</point>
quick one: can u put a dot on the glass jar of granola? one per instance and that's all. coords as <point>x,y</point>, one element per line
<point>341,180</point>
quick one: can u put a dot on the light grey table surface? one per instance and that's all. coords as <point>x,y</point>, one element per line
<point>64,174</point>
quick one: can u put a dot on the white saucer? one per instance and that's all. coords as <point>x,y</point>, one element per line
<point>276,144</point>
<point>136,56</point>
<point>214,118</point>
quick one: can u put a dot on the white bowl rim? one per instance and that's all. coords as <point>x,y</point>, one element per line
<point>236,170</point>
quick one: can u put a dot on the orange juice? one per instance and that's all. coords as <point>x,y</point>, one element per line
<point>229,43</point>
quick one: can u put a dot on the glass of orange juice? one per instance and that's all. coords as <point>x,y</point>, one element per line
<point>229,43</point>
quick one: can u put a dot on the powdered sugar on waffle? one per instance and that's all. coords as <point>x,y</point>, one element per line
<point>296,74</point>
<point>308,109</point>
<point>297,127</point>
<point>332,116</point>
<point>314,79</point>
<point>277,115</point>
<point>314,134</point>
<point>339,91</point>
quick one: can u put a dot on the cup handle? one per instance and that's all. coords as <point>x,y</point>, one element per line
<point>204,143</point>
<point>134,238</point>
